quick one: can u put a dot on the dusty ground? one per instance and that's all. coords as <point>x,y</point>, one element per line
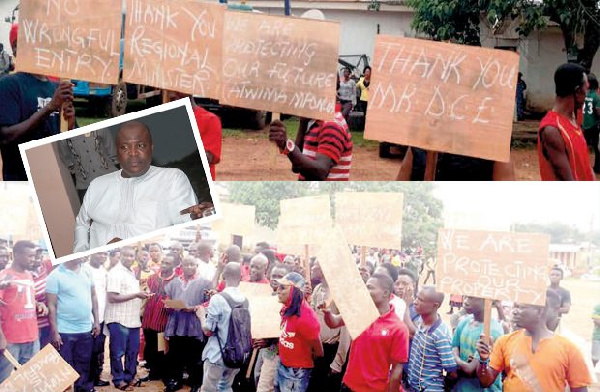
<point>585,295</point>
<point>251,157</point>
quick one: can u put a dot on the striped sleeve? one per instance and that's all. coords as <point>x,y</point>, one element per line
<point>331,142</point>
<point>444,348</point>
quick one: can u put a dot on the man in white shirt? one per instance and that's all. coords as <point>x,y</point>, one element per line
<point>122,317</point>
<point>135,200</point>
<point>204,251</point>
<point>99,276</point>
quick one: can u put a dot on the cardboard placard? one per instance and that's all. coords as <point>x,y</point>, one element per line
<point>45,372</point>
<point>346,287</point>
<point>280,64</point>
<point>174,45</point>
<point>264,310</point>
<point>236,219</point>
<point>297,222</point>
<point>447,97</point>
<point>175,304</point>
<point>495,265</point>
<point>371,219</point>
<point>70,39</point>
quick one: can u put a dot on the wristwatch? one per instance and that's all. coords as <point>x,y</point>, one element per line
<point>289,147</point>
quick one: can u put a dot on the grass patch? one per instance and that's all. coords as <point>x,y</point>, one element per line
<point>85,116</point>
<point>292,130</point>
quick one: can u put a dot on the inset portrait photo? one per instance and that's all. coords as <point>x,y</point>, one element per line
<point>120,179</point>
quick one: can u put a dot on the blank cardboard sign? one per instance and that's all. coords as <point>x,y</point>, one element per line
<point>345,284</point>
<point>495,265</point>
<point>236,219</point>
<point>443,97</point>
<point>264,310</point>
<point>280,64</point>
<point>174,45</point>
<point>300,220</point>
<point>371,219</point>
<point>70,39</point>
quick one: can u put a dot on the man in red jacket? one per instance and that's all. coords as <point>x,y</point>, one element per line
<point>300,339</point>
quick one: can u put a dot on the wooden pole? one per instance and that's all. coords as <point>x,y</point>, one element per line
<point>487,318</point>
<point>363,256</point>
<point>251,364</point>
<point>12,359</point>
<point>275,150</point>
<point>64,125</point>
<point>165,96</point>
<point>430,166</point>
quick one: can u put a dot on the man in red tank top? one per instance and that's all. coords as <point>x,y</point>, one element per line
<point>562,150</point>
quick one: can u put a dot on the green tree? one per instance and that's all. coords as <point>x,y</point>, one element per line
<point>560,233</point>
<point>265,196</point>
<point>458,21</point>
<point>422,211</point>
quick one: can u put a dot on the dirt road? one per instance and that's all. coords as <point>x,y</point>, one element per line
<point>253,158</point>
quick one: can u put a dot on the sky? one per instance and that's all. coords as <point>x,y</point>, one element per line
<point>498,204</point>
<point>480,205</point>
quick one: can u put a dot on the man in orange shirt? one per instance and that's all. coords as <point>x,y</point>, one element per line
<point>533,358</point>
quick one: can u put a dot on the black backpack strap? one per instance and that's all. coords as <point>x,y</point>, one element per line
<point>233,304</point>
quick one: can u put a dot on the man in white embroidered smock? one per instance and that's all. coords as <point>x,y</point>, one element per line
<point>135,200</point>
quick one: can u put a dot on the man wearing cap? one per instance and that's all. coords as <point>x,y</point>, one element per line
<point>300,340</point>
<point>30,111</point>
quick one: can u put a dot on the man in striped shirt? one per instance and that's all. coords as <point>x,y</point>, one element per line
<point>155,317</point>
<point>326,148</point>
<point>431,349</point>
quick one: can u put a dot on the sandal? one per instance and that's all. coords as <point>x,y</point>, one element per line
<point>126,387</point>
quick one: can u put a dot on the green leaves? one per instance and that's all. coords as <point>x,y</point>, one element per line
<point>458,20</point>
<point>422,212</point>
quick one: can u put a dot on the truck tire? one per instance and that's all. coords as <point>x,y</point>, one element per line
<point>118,101</point>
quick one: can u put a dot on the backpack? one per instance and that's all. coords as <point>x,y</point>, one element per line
<point>238,345</point>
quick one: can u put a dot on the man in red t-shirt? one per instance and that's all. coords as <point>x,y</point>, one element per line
<point>377,355</point>
<point>4,257</point>
<point>300,340</point>
<point>562,149</point>
<point>211,131</point>
<point>322,150</point>
<point>40,269</point>
<point>18,311</point>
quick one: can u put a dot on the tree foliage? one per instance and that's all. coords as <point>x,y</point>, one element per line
<point>422,211</point>
<point>560,233</point>
<point>459,21</point>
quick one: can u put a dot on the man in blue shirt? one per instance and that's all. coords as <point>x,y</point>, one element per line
<point>431,350</point>
<point>71,303</point>
<point>464,345</point>
<point>217,376</point>
<point>30,111</point>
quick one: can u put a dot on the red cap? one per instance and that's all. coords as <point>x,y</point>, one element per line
<point>13,33</point>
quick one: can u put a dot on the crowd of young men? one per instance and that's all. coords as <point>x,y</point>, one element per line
<point>173,308</point>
